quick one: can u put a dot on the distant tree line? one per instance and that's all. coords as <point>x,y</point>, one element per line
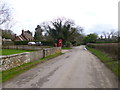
<point>106,37</point>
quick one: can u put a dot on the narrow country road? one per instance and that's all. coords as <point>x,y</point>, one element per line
<point>77,68</point>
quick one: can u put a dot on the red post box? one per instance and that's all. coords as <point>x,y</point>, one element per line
<point>60,43</point>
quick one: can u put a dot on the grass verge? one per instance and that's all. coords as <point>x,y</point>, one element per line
<point>13,51</point>
<point>109,62</point>
<point>9,74</point>
<point>66,48</point>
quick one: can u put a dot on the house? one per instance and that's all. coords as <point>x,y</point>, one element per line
<point>25,36</point>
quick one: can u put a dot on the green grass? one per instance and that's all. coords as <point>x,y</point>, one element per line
<point>9,74</point>
<point>66,48</point>
<point>13,51</point>
<point>101,55</point>
<point>105,58</point>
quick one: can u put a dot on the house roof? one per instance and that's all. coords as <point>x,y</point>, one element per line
<point>24,36</point>
<point>27,36</point>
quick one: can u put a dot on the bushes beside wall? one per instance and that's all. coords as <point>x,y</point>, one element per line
<point>7,43</point>
<point>21,42</point>
<point>22,47</point>
<point>45,43</point>
<point>109,48</point>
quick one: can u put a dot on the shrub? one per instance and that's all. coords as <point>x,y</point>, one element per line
<point>21,42</point>
<point>68,44</point>
<point>74,43</point>
<point>47,43</point>
<point>7,43</point>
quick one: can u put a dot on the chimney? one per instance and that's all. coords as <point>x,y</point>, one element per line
<point>22,32</point>
<point>15,35</point>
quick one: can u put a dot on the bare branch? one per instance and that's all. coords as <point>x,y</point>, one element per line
<point>5,14</point>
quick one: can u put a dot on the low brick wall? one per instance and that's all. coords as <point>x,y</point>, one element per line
<point>11,61</point>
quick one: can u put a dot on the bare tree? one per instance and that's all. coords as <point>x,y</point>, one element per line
<point>105,35</point>
<point>109,34</point>
<point>5,13</point>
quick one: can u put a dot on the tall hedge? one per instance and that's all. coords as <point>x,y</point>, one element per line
<point>21,42</point>
<point>109,48</point>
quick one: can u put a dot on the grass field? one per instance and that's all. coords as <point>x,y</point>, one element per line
<point>12,51</point>
<point>8,74</point>
<point>109,62</point>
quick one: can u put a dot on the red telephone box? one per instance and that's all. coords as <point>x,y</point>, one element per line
<point>60,43</point>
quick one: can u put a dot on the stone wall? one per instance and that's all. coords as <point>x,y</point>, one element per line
<point>11,61</point>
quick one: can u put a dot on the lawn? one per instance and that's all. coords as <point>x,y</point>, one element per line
<point>13,51</point>
<point>107,60</point>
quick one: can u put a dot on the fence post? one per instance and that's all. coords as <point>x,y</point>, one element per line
<point>44,53</point>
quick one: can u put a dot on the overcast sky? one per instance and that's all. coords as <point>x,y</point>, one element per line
<point>93,15</point>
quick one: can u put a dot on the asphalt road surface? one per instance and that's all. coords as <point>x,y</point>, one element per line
<point>77,68</point>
